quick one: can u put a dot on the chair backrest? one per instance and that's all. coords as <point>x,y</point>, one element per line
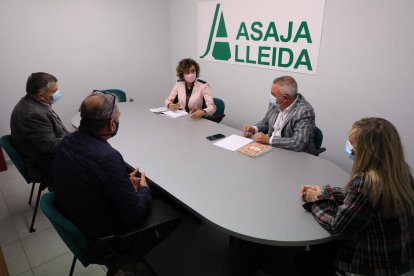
<point>121,95</point>
<point>67,230</point>
<point>15,156</point>
<point>220,106</point>
<point>318,136</point>
<point>219,114</point>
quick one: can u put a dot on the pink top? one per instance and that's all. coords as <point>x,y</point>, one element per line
<point>201,90</point>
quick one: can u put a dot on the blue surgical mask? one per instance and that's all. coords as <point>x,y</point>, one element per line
<point>349,150</point>
<point>56,96</point>
<point>273,101</point>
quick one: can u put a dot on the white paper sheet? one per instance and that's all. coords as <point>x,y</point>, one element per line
<point>233,142</point>
<point>159,109</point>
<point>175,114</point>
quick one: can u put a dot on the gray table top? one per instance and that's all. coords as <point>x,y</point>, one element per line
<point>256,199</point>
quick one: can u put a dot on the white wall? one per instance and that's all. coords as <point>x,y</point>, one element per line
<point>366,68</point>
<point>94,44</point>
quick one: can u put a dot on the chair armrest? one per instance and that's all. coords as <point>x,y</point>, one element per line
<point>215,118</point>
<point>319,151</point>
<point>159,214</point>
<point>106,238</point>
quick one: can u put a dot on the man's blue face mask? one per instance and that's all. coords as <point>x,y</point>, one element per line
<point>56,96</point>
<point>273,101</point>
<point>349,150</point>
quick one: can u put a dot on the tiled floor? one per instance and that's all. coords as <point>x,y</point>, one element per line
<point>192,249</point>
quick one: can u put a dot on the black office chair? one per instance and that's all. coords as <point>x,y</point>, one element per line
<point>318,136</point>
<point>78,243</point>
<point>18,161</point>
<point>121,95</point>
<point>219,114</point>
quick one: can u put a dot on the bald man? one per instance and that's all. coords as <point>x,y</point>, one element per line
<point>93,186</point>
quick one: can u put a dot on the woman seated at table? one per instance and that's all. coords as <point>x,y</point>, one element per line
<point>373,217</point>
<point>190,93</point>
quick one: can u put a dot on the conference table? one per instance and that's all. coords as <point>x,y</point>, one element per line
<point>255,199</point>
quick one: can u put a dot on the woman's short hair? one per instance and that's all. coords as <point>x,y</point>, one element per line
<point>184,65</point>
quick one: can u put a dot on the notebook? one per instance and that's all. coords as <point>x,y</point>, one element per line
<point>255,149</point>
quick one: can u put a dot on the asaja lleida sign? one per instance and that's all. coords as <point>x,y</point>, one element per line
<point>272,34</point>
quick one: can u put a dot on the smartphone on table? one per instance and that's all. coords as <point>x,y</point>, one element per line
<point>215,137</point>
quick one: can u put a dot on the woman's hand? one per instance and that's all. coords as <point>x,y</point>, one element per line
<point>310,192</point>
<point>173,106</point>
<point>197,114</point>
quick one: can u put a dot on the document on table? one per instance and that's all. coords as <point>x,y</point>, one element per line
<point>175,114</point>
<point>159,110</point>
<point>167,112</point>
<point>233,142</point>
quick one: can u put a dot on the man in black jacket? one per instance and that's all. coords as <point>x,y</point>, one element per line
<point>93,186</point>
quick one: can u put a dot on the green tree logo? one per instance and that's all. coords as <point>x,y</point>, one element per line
<point>221,49</point>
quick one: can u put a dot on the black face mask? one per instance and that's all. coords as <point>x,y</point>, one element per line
<point>113,133</point>
<point>116,129</point>
<point>94,126</point>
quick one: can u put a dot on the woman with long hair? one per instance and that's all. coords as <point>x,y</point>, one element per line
<point>373,216</point>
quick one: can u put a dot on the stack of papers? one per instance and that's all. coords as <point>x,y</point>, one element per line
<point>169,113</point>
<point>175,114</point>
<point>159,109</point>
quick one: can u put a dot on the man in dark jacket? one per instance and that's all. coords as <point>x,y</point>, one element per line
<point>93,186</point>
<point>36,129</point>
